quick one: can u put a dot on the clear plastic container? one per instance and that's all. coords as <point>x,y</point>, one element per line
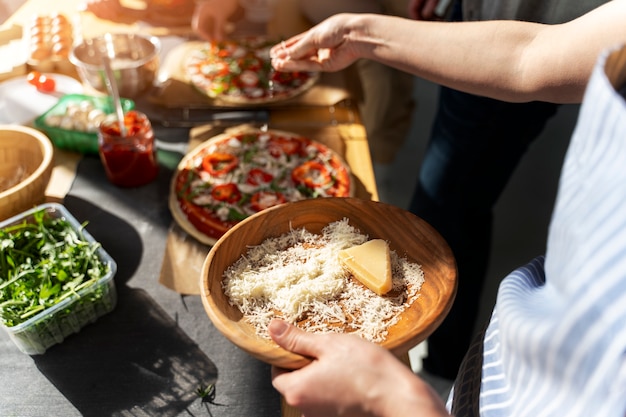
<point>54,324</point>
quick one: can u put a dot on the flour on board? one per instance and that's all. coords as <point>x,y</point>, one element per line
<point>299,278</point>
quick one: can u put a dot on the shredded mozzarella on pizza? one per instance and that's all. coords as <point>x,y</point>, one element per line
<point>298,277</point>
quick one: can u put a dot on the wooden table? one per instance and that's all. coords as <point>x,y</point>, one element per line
<point>343,117</point>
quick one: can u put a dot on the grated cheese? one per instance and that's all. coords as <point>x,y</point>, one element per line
<point>298,277</point>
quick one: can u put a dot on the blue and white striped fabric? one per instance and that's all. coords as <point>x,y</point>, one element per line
<point>556,344</point>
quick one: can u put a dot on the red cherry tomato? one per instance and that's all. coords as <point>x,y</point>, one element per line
<point>265,199</point>
<point>42,82</point>
<point>228,193</point>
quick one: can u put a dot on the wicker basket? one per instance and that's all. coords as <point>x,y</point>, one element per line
<point>26,160</point>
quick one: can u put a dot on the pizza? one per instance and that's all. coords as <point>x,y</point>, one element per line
<point>243,171</point>
<point>239,71</point>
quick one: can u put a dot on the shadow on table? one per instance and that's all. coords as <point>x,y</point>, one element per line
<point>136,357</point>
<point>135,360</point>
<point>117,237</point>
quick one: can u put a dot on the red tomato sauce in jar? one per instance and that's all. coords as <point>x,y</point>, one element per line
<point>129,160</point>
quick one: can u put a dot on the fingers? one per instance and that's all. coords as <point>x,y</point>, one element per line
<point>294,55</point>
<point>210,19</point>
<point>293,339</point>
<point>284,61</point>
<point>325,47</point>
<point>211,29</point>
<point>219,29</point>
<point>283,50</point>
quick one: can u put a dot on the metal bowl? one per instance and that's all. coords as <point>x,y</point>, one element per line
<point>134,59</point>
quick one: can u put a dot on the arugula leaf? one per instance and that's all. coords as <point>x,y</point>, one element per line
<point>43,261</point>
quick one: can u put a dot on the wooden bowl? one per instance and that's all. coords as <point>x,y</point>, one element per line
<point>408,235</point>
<point>25,167</point>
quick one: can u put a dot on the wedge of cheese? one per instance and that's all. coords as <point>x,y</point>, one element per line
<point>370,263</point>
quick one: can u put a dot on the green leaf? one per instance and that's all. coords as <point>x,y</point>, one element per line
<point>46,291</point>
<point>43,260</point>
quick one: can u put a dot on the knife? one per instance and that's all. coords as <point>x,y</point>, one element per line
<point>193,116</point>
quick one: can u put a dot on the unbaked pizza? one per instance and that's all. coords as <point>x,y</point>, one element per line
<point>239,71</point>
<point>243,171</point>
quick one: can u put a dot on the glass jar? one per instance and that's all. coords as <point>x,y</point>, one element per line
<point>129,160</point>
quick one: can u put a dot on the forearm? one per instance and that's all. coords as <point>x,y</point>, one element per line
<point>507,60</point>
<point>410,396</point>
<point>496,59</point>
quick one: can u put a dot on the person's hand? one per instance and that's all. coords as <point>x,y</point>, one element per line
<point>423,9</point>
<point>349,376</point>
<point>153,14</point>
<point>113,10</point>
<point>322,48</point>
<point>210,18</point>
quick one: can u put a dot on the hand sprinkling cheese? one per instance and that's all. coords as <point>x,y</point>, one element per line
<point>370,263</point>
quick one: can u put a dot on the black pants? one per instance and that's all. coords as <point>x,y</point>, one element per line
<point>475,146</point>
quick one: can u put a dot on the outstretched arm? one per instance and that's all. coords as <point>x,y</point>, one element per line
<point>349,377</point>
<point>507,60</point>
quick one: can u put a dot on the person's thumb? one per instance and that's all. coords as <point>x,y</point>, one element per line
<point>293,339</point>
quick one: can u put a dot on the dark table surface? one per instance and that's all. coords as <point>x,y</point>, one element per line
<point>150,355</point>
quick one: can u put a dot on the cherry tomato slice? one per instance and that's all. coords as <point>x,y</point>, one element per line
<point>219,163</point>
<point>312,174</point>
<point>265,199</point>
<point>256,176</point>
<point>228,193</point>
<point>284,145</point>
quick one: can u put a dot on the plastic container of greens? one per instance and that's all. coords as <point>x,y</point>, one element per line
<point>89,299</point>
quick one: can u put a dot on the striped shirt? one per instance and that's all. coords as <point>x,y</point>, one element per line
<point>556,343</point>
